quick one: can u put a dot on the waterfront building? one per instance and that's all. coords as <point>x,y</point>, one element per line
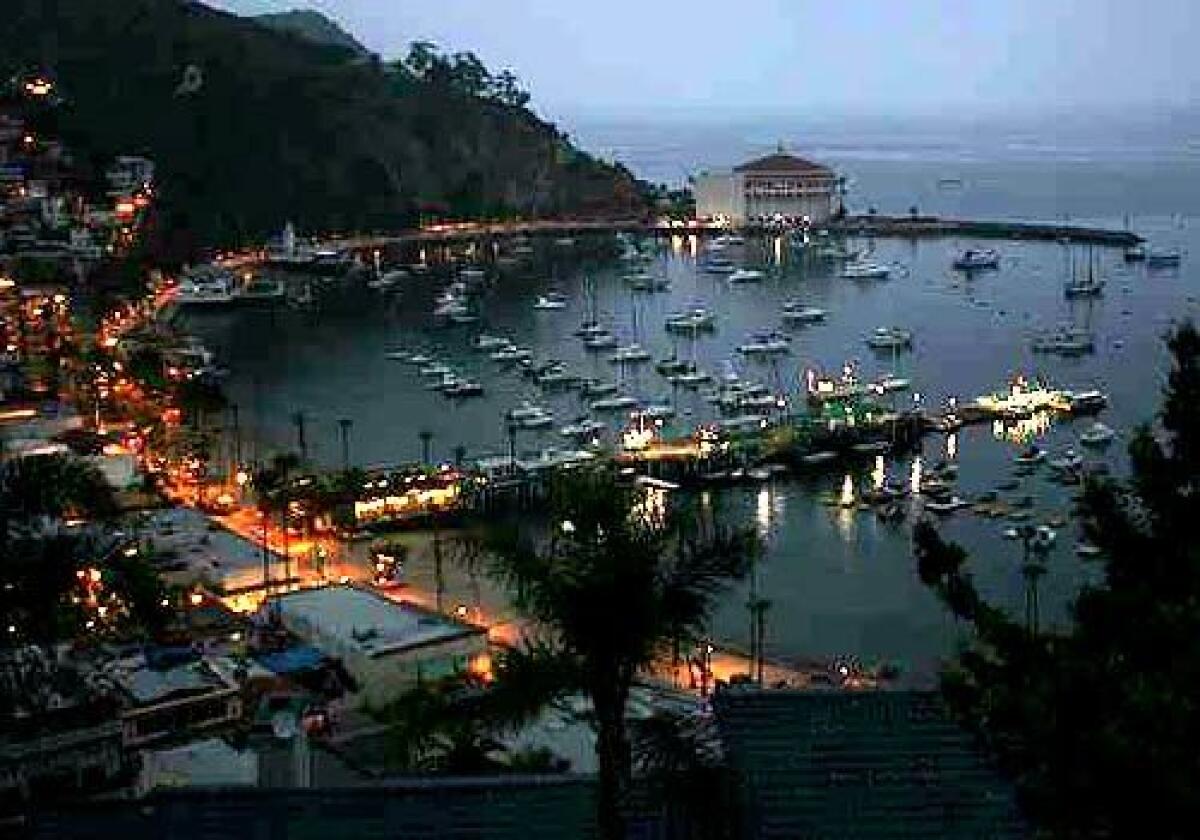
<point>386,646</point>
<point>168,702</point>
<point>776,189</point>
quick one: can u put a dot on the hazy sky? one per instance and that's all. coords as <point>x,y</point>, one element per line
<point>803,56</point>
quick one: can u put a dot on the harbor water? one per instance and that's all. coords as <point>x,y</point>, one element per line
<point>840,581</point>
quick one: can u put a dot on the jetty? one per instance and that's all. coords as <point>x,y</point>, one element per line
<point>931,226</point>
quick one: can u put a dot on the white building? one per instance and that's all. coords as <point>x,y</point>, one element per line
<point>778,188</point>
<point>387,646</point>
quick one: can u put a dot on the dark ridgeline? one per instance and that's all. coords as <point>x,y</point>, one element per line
<point>250,126</point>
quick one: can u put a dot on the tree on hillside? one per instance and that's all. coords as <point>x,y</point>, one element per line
<point>618,580</point>
<point>1098,723</point>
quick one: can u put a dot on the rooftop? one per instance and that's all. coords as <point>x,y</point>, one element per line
<point>782,162</point>
<point>860,764</point>
<point>366,622</point>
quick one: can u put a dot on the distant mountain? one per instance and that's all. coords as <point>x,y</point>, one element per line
<point>312,26</point>
<point>250,127</point>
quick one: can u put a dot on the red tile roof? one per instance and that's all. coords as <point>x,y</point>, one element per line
<point>780,162</point>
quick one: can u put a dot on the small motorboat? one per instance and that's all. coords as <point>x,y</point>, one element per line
<point>1163,259</point>
<point>946,506</point>
<point>693,320</point>
<point>550,301</point>
<point>765,344</point>
<point>690,378</point>
<point>746,275</point>
<point>601,341</point>
<point>598,388</point>
<point>889,338</point>
<point>583,427</point>
<point>1135,253</point>
<point>975,259</point>
<point>795,312</point>
<point>890,384</point>
<point>864,270</point>
<point>483,341</point>
<point>614,403</point>
<point>1031,456</point>
<point>1068,461</point>
<point>630,354</point>
<point>1083,287</point>
<point>1097,435</point>
<point>464,388</point>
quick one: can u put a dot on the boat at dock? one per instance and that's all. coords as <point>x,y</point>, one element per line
<point>464,388</point>
<point>977,259</point>
<point>530,415</point>
<point>718,265</point>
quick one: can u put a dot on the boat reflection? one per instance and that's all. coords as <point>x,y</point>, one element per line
<point>877,474</point>
<point>914,479</point>
<point>951,446</point>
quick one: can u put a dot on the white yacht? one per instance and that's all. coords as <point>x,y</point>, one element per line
<point>864,270</point>
<point>614,403</point>
<point>746,275</point>
<point>658,411</point>
<point>765,344</point>
<point>1097,435</point>
<point>630,354</point>
<point>692,320</point>
<point>601,341</point>
<point>890,384</point>
<point>531,415</point>
<point>690,378</point>
<point>795,312</point>
<point>889,338</point>
<point>549,301</point>
<point>974,259</point>
<point>598,388</point>
<point>583,428</point>
<point>483,341</point>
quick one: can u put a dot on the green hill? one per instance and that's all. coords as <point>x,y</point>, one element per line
<point>250,126</point>
<point>312,26</point>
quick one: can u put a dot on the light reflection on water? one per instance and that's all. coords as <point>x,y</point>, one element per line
<point>1024,429</point>
<point>763,512</point>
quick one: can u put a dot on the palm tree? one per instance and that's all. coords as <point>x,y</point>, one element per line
<point>616,581</point>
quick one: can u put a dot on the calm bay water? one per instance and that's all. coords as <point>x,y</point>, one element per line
<point>840,583</point>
